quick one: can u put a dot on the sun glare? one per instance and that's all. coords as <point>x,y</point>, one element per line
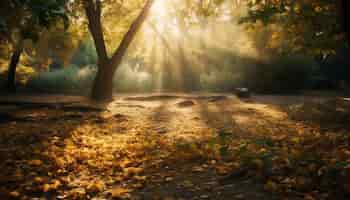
<point>159,8</point>
<point>159,11</point>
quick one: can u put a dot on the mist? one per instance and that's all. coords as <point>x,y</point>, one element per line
<point>170,54</point>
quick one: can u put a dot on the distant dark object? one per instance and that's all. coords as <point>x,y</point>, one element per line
<point>186,103</point>
<point>320,83</point>
<point>242,92</point>
<point>217,98</point>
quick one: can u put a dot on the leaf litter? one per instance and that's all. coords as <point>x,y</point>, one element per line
<point>278,152</point>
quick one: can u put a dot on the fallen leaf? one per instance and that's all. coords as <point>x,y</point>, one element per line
<point>35,162</point>
<point>14,194</point>
<point>96,186</point>
<point>119,192</point>
<point>131,171</point>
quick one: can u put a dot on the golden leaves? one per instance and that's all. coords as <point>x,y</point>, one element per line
<point>285,156</point>
<point>14,194</point>
<point>132,171</point>
<point>96,186</point>
<point>53,185</point>
<point>35,163</point>
<point>119,192</point>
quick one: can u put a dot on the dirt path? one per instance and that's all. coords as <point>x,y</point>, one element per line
<point>167,146</point>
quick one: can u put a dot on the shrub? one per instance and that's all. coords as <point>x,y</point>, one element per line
<point>85,55</point>
<point>286,74</point>
<point>336,69</point>
<point>71,79</point>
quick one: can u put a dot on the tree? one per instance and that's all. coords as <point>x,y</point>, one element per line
<point>314,26</point>
<point>107,65</point>
<point>22,20</point>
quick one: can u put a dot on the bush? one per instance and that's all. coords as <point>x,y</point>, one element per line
<point>287,74</point>
<point>336,69</point>
<point>85,55</point>
<point>71,79</point>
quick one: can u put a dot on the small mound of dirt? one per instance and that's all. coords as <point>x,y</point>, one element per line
<point>186,103</point>
<point>120,117</point>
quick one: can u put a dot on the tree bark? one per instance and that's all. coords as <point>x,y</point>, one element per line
<point>346,16</point>
<point>129,36</point>
<point>102,89</point>
<point>343,12</point>
<point>11,76</point>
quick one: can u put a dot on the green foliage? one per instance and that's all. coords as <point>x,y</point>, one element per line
<point>85,55</point>
<point>281,75</point>
<point>336,67</point>
<point>26,17</point>
<point>72,79</point>
<point>313,26</point>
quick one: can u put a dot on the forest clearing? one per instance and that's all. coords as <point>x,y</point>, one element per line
<point>174,99</point>
<point>175,146</point>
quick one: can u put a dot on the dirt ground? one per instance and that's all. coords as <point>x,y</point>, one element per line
<point>175,146</point>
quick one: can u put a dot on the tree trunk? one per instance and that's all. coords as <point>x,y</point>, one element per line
<point>102,89</point>
<point>129,36</point>
<point>103,84</point>
<point>11,76</point>
<point>346,16</point>
<point>343,6</point>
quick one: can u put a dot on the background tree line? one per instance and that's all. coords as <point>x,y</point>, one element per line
<point>81,44</point>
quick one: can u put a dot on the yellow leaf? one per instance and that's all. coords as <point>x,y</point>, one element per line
<point>38,179</point>
<point>130,171</point>
<point>60,162</point>
<point>295,140</point>
<point>35,162</point>
<point>126,163</point>
<point>46,187</point>
<point>119,192</point>
<point>55,184</point>
<point>14,194</point>
<point>140,178</point>
<point>97,186</point>
<point>318,9</point>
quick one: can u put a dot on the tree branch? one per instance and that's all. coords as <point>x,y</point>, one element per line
<point>129,36</point>
<point>93,13</point>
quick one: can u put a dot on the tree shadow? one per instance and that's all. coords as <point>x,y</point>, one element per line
<point>33,142</point>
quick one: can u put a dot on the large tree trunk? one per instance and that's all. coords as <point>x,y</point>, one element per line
<point>346,16</point>
<point>11,76</point>
<point>343,12</point>
<point>103,85</point>
<point>102,89</point>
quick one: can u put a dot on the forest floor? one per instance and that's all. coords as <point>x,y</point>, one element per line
<point>175,146</point>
